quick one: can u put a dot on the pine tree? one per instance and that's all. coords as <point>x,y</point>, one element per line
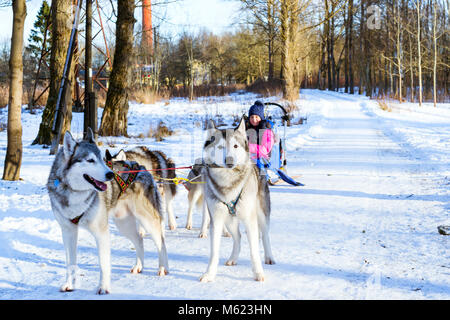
<point>36,38</point>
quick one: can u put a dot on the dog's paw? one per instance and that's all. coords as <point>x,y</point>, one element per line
<point>206,277</point>
<point>66,287</point>
<point>226,234</point>
<point>259,277</point>
<point>269,261</point>
<point>136,269</point>
<point>231,262</point>
<point>163,272</point>
<point>203,235</point>
<point>103,290</point>
<point>189,226</point>
<point>172,227</point>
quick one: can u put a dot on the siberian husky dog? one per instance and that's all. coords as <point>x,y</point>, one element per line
<point>83,194</point>
<point>235,192</point>
<point>196,200</point>
<point>151,160</point>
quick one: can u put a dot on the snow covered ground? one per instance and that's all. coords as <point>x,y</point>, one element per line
<point>363,227</point>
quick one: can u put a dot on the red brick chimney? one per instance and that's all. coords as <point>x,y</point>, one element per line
<point>147,31</point>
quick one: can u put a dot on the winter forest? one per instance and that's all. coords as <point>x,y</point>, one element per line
<point>366,87</point>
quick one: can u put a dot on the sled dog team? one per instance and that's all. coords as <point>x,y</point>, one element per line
<point>86,190</point>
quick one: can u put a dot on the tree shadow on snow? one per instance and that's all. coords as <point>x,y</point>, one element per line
<point>360,194</point>
<point>385,282</point>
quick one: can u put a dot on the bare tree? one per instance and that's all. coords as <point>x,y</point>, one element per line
<point>411,68</point>
<point>264,15</point>
<point>114,118</point>
<point>419,54</point>
<point>435,37</point>
<point>289,31</point>
<point>348,49</point>
<point>62,16</point>
<point>399,51</point>
<point>13,159</point>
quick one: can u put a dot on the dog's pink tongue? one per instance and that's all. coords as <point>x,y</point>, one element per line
<point>101,185</point>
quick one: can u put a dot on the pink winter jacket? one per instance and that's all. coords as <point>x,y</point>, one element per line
<point>263,149</point>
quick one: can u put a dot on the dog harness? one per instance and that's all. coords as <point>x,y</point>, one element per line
<point>232,205</point>
<point>122,183</point>
<point>76,219</point>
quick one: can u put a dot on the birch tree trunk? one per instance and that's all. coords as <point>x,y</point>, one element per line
<point>271,37</point>
<point>361,49</point>
<point>419,55</point>
<point>13,159</point>
<point>435,53</point>
<point>391,77</point>
<point>346,46</point>
<point>331,53</point>
<point>411,69</point>
<point>328,35</point>
<point>399,53</point>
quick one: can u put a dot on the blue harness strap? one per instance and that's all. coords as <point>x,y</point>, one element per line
<point>232,205</point>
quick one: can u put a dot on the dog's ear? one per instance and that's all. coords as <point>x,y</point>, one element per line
<point>211,125</point>
<point>108,156</point>
<point>69,145</point>
<point>241,127</point>
<point>90,135</point>
<point>211,129</point>
<point>121,156</point>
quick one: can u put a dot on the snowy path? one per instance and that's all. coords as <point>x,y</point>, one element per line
<point>363,227</point>
<point>369,211</point>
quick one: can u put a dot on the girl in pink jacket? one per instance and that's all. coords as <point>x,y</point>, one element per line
<point>260,135</point>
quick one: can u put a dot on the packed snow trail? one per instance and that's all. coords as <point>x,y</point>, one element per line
<point>363,227</point>
<point>367,217</point>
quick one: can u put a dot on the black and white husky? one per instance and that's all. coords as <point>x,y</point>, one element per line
<point>164,170</point>
<point>83,193</point>
<point>235,192</point>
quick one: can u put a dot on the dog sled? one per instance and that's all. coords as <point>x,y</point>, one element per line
<point>277,164</point>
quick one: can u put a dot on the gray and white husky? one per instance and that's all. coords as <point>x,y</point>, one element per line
<point>83,194</point>
<point>197,200</point>
<point>235,192</point>
<point>151,160</point>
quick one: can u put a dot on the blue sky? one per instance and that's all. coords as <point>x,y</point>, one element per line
<point>191,15</point>
<point>6,17</point>
<point>188,15</point>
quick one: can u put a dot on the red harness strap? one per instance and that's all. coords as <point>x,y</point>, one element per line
<point>122,183</point>
<point>76,219</point>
